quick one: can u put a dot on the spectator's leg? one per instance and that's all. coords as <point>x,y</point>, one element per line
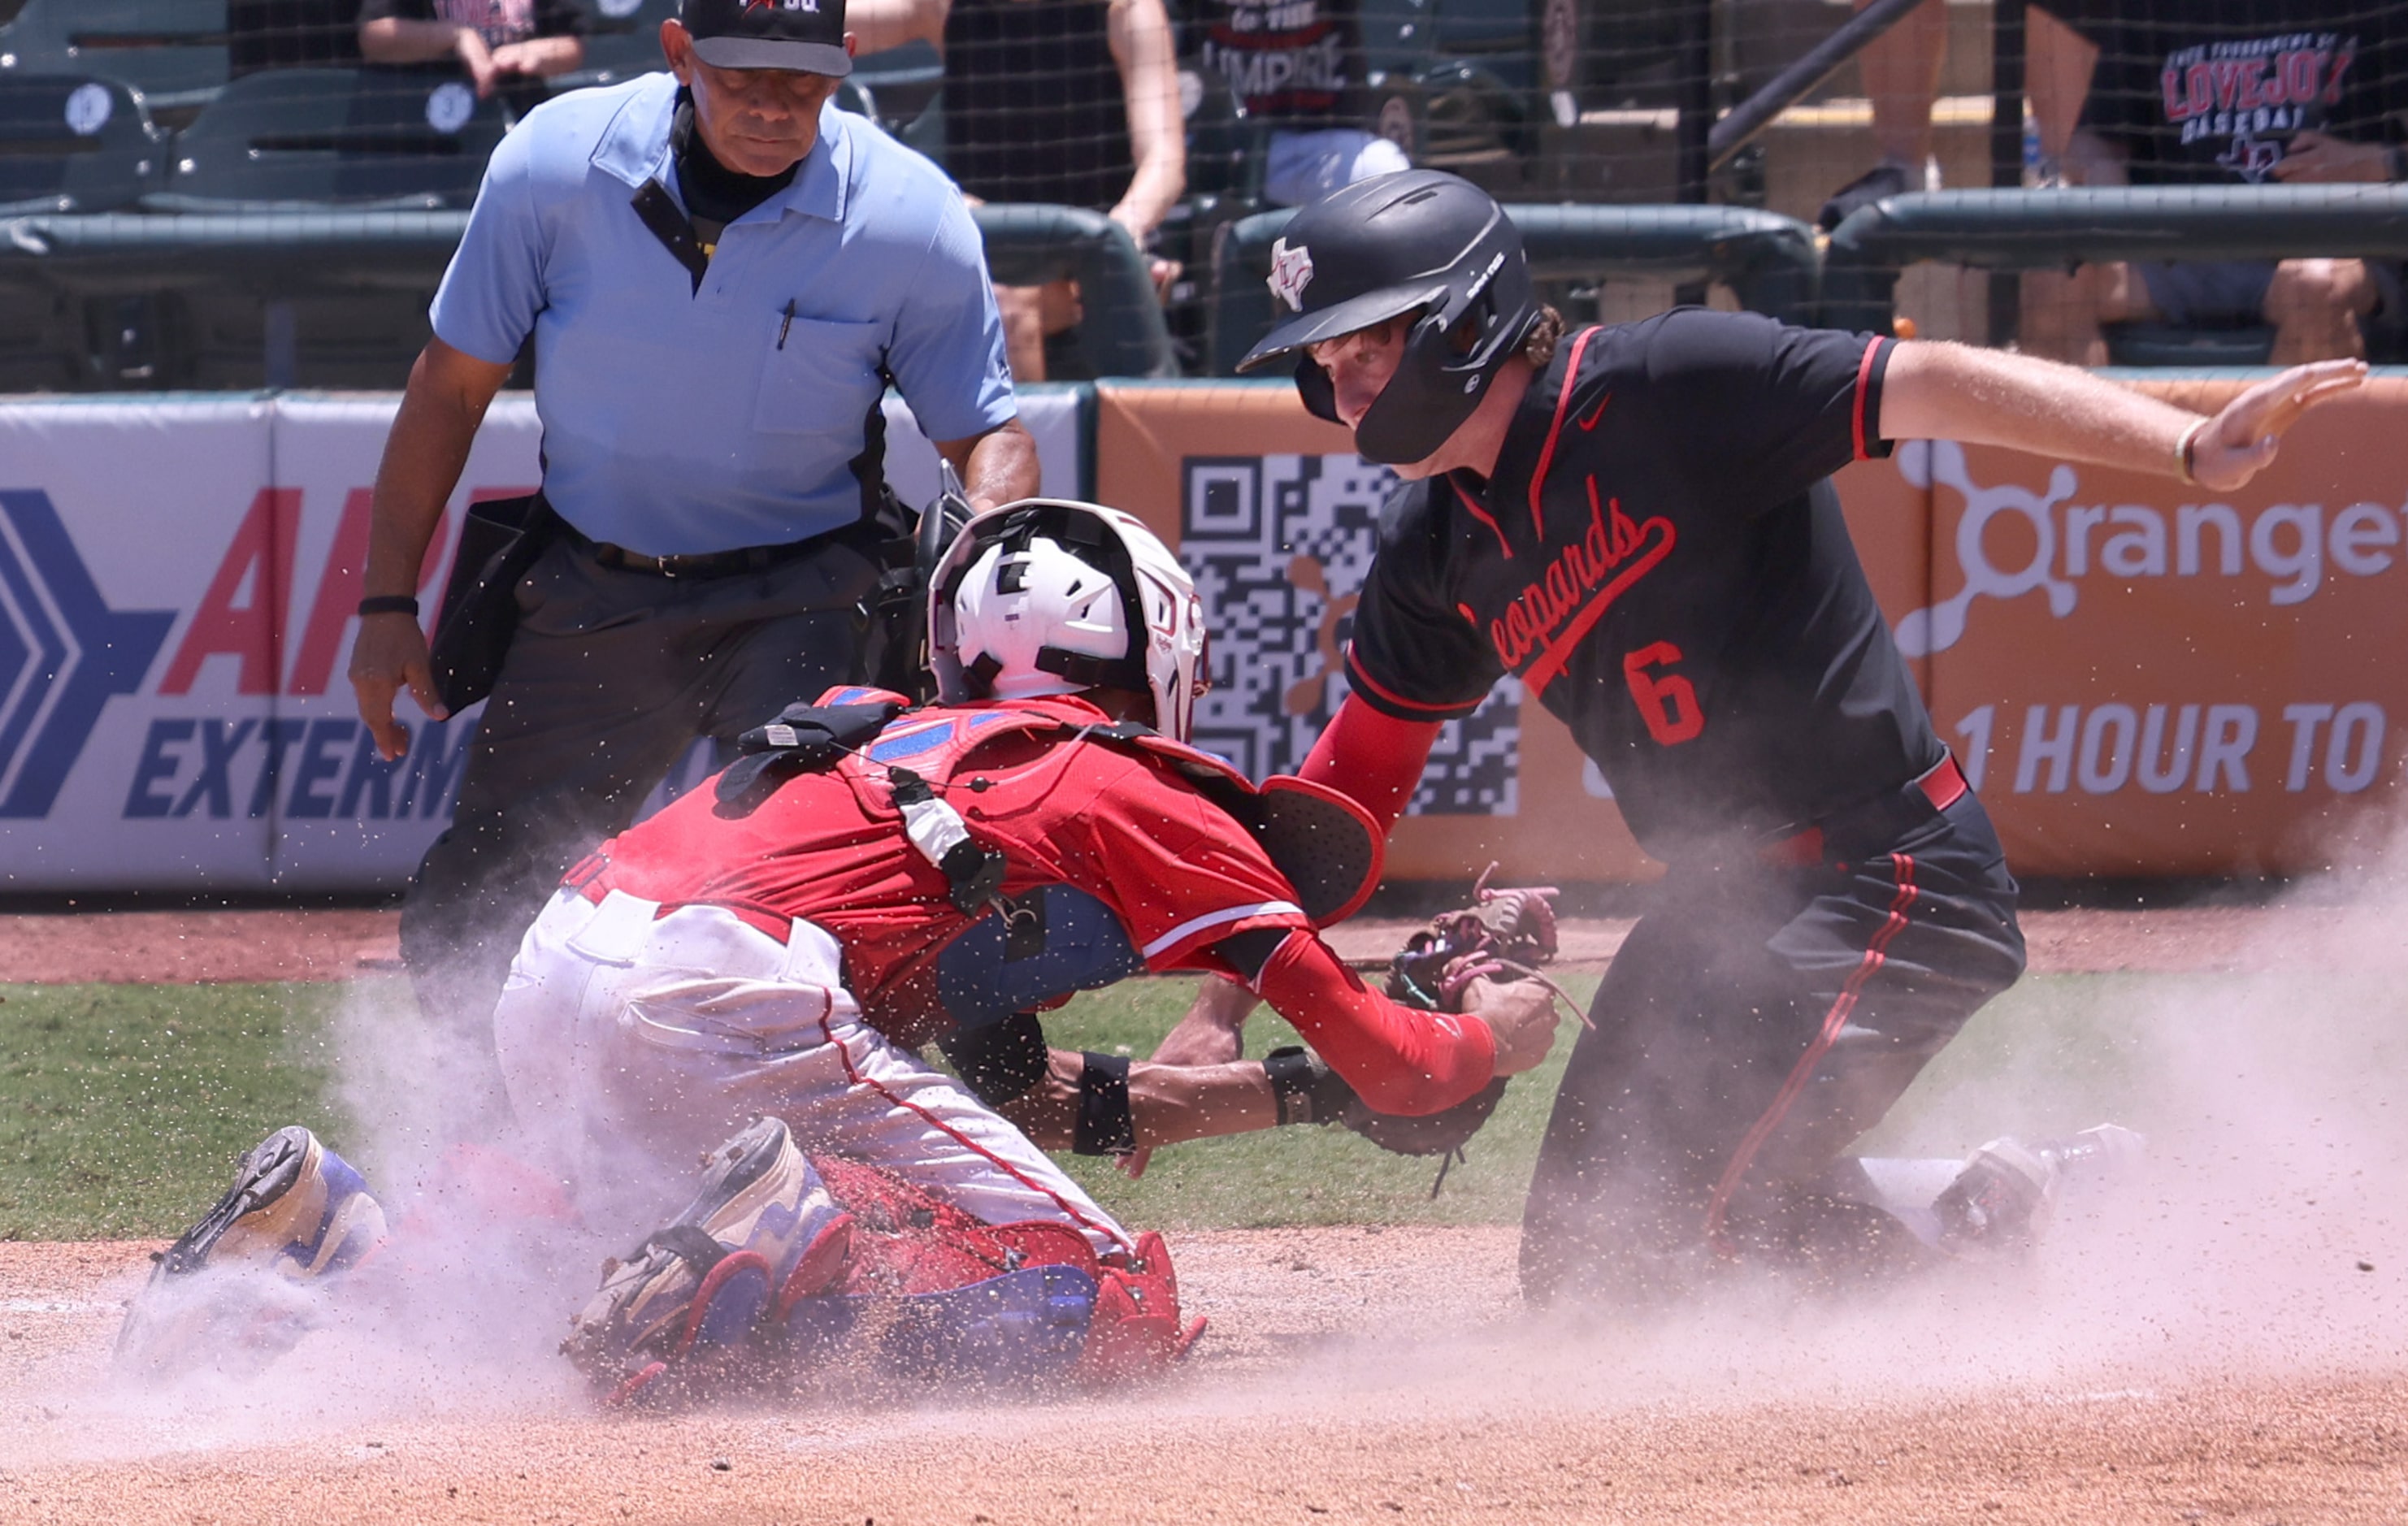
<point>2058,65</point>
<point>1023,330</point>
<point>2315,305</point>
<point>1305,167</point>
<point>1901,75</point>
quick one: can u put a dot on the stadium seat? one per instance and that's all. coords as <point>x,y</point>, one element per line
<point>902,84</point>
<point>70,143</point>
<point>623,39</point>
<point>386,137</point>
<point>171,51</point>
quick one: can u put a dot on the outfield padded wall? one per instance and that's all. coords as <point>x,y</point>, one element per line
<point>177,583</point>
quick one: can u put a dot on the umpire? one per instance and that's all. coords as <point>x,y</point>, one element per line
<point>1635,521</point>
<point>721,273</point>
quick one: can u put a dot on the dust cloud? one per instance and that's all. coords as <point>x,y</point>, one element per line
<point>2266,1236</point>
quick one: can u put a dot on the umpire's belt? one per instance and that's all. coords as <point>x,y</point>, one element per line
<point>702,565</point>
<point>1873,824</point>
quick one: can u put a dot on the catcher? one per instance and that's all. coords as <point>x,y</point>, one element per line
<point>752,969</point>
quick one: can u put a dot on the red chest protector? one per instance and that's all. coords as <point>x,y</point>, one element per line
<point>1328,847</point>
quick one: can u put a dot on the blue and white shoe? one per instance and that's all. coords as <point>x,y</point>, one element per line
<point>296,1214</point>
<point>699,1286</point>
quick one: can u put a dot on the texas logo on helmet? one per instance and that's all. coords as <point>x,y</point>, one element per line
<point>1291,271</point>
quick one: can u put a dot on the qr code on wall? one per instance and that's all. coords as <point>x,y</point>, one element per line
<point>1278,545</point>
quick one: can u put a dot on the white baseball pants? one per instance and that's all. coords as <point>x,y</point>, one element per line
<point>631,1042</point>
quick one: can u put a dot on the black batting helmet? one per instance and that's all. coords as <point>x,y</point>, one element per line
<point>1418,239</point>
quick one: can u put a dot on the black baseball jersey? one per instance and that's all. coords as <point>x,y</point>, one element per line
<point>1661,561</point>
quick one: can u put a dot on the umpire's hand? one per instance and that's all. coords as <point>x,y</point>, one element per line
<point>1520,1014</point>
<point>391,653</point>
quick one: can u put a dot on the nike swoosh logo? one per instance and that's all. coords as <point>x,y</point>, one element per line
<point>1594,414</point>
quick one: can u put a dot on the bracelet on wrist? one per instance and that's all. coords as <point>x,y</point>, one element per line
<point>389,604</point>
<point>2183,451</point>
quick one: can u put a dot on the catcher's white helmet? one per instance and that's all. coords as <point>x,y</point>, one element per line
<point>1047,596</point>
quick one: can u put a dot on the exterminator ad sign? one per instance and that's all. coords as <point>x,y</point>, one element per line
<point>178,578</point>
<point>177,587</point>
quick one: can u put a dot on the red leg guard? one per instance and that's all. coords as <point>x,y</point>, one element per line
<point>1136,1330</point>
<point>822,1265</point>
<point>1044,1242</point>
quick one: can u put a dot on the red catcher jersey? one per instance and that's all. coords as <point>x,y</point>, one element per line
<point>1176,871</point>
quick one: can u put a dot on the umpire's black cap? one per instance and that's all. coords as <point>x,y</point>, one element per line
<point>803,35</point>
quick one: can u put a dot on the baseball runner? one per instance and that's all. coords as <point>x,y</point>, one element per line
<point>761,958</point>
<point>1636,521</point>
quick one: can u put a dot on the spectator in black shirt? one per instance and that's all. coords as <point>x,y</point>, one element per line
<point>496,41</point>
<point>1074,102</point>
<point>2232,92</point>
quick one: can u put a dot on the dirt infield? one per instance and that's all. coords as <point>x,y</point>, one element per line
<point>164,946</point>
<point>2230,1353</point>
<point>1313,1400</point>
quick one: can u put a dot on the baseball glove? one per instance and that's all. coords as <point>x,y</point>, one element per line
<point>1504,934</point>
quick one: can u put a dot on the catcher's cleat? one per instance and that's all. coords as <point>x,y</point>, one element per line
<point>297,1212</point>
<point>703,1281</point>
<point>2001,1202</point>
<point>295,1206</point>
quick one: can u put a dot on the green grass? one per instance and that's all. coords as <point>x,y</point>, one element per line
<point>1303,1174</point>
<point>123,1107</point>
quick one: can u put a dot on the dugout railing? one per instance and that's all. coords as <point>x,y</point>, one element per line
<point>337,298</point>
<point>1767,261</point>
<point>2017,230</point>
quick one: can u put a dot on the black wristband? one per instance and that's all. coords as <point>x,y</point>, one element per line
<point>389,604</point>
<point>1104,1126</point>
<point>1308,1090</point>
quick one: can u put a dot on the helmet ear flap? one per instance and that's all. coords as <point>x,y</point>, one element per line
<point>1313,384</point>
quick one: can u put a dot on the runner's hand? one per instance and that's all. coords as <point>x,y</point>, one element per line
<point>2238,443</point>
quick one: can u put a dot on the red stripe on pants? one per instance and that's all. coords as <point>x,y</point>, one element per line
<point>1842,1007</point>
<point>857,1079</point>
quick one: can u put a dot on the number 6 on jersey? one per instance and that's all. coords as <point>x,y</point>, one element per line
<point>1666,701</point>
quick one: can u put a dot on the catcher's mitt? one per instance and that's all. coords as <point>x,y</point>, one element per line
<point>1504,934</point>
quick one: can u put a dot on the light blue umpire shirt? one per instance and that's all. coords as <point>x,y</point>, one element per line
<point>682,422</point>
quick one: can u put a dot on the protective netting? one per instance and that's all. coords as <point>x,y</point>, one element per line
<point>1179,123</point>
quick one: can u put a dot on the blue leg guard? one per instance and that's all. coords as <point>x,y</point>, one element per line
<point>1020,1325</point>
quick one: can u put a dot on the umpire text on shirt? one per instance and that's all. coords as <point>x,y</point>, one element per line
<point>721,273</point>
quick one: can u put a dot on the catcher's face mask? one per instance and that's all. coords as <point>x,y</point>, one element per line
<point>1049,596</point>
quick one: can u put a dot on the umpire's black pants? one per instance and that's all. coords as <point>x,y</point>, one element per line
<point>1752,1026</point>
<point>610,678</point>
